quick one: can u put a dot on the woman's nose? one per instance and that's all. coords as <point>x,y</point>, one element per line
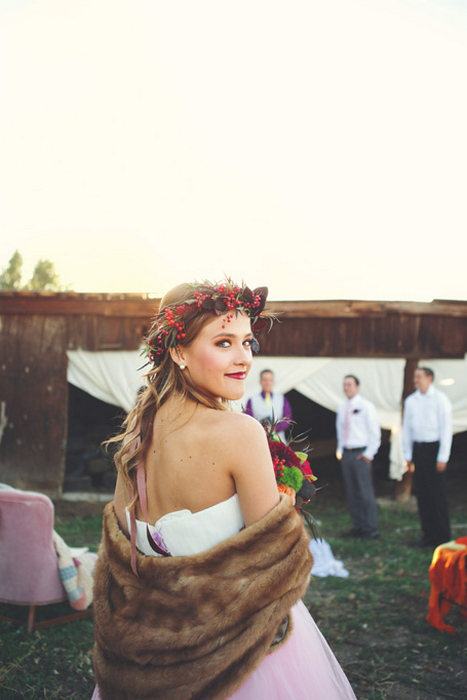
<point>243,356</point>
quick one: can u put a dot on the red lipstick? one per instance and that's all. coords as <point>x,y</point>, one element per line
<point>237,375</point>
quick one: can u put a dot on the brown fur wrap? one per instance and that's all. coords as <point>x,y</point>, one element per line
<point>196,626</point>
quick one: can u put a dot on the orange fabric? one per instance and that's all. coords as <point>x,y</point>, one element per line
<point>448,577</point>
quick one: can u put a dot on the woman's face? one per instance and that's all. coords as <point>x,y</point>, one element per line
<point>219,358</point>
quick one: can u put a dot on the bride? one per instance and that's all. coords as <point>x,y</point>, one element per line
<point>202,565</point>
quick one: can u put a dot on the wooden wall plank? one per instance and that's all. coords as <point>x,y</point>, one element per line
<point>34,387</point>
<point>404,336</point>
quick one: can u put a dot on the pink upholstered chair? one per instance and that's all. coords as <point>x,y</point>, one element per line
<point>29,572</point>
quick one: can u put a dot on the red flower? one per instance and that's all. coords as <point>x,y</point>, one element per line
<point>284,454</point>
<point>306,469</point>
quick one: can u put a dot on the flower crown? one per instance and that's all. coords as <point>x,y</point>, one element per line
<point>168,328</point>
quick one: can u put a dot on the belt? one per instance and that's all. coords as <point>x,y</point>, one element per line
<point>432,442</point>
<point>355,449</point>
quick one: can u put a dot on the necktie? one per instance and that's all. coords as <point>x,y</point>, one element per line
<point>347,423</point>
<point>267,398</point>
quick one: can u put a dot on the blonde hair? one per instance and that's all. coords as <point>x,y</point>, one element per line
<point>164,380</point>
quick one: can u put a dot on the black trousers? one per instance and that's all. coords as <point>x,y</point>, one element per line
<point>430,486</point>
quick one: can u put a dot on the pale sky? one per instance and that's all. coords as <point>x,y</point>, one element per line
<point>318,148</point>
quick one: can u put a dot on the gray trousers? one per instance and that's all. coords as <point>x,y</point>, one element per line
<point>358,481</point>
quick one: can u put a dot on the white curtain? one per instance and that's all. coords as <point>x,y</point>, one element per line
<point>115,377</point>
<point>381,381</point>
<point>288,373</point>
<point>110,376</point>
<point>451,377</point>
<point>320,379</point>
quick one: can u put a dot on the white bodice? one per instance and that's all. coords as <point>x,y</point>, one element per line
<point>185,533</point>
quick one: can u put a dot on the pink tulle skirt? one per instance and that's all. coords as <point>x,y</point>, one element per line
<point>303,667</point>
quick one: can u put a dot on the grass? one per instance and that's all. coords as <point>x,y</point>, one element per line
<point>374,620</point>
<point>75,531</point>
<point>56,662</point>
<point>52,663</point>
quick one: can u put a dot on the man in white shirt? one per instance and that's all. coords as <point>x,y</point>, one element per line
<point>358,440</point>
<point>426,443</point>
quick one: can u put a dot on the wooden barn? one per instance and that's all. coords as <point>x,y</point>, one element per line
<point>37,330</point>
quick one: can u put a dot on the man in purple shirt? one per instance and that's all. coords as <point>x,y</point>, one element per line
<point>268,405</point>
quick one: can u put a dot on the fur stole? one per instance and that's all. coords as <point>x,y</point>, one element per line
<point>196,626</point>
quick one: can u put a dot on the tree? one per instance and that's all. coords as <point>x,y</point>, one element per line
<point>10,278</point>
<point>44,278</point>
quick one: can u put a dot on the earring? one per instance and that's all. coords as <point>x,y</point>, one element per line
<point>182,366</point>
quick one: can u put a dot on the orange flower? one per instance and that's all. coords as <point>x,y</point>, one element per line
<point>282,488</point>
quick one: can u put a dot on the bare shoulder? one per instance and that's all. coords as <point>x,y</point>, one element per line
<point>238,444</point>
<point>237,426</point>
<point>231,436</point>
<point>247,457</point>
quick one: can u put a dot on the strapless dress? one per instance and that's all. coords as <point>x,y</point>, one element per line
<point>304,666</point>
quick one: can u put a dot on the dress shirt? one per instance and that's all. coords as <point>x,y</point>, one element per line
<point>364,430</point>
<point>427,418</point>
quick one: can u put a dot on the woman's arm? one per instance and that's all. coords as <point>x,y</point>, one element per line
<point>251,468</point>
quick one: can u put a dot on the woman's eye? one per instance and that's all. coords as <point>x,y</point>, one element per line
<point>227,343</point>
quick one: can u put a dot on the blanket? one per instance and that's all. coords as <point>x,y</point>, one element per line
<point>76,568</point>
<point>448,577</point>
<point>195,626</point>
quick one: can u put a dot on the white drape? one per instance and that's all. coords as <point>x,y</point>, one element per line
<point>113,377</point>
<point>451,377</point>
<point>110,376</point>
<point>320,379</point>
<point>381,381</point>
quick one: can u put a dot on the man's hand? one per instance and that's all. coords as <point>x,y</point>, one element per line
<point>441,466</point>
<point>365,459</point>
<point>410,466</point>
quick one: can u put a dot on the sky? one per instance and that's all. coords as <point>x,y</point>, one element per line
<point>317,148</point>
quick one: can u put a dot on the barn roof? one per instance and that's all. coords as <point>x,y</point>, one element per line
<point>320,328</point>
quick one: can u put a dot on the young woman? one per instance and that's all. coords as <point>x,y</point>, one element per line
<point>202,566</point>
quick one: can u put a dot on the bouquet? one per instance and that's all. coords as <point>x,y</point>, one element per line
<point>292,470</point>
<point>294,475</point>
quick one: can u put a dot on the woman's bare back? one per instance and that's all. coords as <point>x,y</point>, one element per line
<point>186,465</point>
